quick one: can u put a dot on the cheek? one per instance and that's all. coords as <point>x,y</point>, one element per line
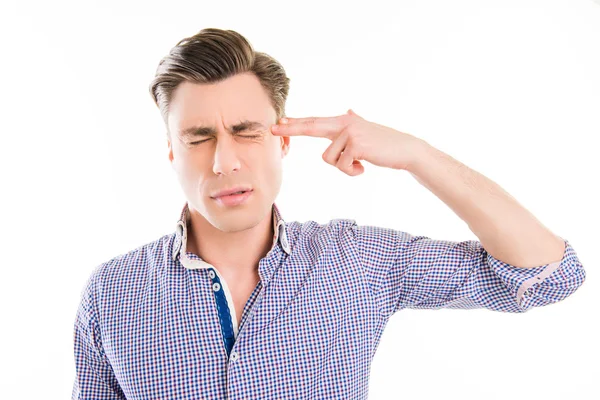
<point>275,151</point>
<point>192,167</point>
<point>271,164</point>
<point>270,156</point>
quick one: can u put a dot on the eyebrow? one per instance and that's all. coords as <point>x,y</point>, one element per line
<point>201,130</point>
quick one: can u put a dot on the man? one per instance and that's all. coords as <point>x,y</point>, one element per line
<point>237,303</point>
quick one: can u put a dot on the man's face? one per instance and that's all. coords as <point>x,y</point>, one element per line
<point>226,159</point>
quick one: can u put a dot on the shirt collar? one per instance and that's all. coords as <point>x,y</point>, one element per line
<point>179,247</point>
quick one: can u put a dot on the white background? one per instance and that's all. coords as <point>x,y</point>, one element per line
<point>509,88</point>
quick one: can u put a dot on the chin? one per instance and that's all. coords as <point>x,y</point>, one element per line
<point>235,225</point>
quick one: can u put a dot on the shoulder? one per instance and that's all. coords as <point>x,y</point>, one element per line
<point>134,263</point>
<point>320,233</point>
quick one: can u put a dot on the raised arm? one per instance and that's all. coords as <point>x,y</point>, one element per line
<point>407,271</point>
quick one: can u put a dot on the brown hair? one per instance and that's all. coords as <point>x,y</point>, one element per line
<point>212,55</point>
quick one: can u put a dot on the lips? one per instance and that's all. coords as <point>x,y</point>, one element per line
<point>228,192</point>
<point>234,200</point>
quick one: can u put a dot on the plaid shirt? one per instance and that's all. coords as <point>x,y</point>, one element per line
<point>159,322</point>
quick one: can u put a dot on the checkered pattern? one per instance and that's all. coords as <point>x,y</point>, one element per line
<point>149,325</point>
<point>223,297</point>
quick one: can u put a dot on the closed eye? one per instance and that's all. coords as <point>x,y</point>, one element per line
<point>242,136</point>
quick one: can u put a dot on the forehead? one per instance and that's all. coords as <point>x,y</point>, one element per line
<point>238,97</point>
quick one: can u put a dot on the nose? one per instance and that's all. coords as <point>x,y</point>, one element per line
<point>226,157</point>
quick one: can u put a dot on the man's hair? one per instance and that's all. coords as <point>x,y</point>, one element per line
<point>213,55</point>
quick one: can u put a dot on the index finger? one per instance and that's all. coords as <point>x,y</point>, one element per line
<point>326,127</point>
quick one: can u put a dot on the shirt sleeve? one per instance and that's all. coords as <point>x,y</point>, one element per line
<point>94,377</point>
<point>408,271</point>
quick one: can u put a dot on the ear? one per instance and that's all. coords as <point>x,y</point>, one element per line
<point>170,151</point>
<point>285,145</point>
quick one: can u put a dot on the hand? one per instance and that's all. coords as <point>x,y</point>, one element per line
<point>353,139</point>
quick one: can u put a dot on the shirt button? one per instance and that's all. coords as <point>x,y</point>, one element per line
<point>216,286</point>
<point>211,273</point>
<point>234,356</point>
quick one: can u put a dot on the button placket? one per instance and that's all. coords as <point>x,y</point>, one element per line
<point>225,308</point>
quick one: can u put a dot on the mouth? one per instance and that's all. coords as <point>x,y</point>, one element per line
<point>232,191</point>
<point>234,198</point>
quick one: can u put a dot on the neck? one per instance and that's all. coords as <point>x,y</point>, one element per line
<point>235,253</point>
